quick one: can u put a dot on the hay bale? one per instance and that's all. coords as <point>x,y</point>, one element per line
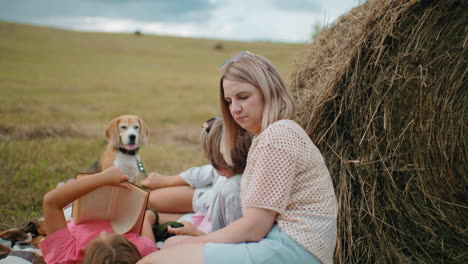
<point>383,93</point>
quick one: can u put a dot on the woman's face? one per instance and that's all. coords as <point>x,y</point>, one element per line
<point>245,103</point>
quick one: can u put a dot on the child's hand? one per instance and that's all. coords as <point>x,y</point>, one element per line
<point>153,181</point>
<point>114,176</point>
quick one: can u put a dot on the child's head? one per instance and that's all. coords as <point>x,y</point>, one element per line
<point>111,248</point>
<point>211,143</point>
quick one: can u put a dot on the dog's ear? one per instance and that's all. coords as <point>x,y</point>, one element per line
<point>144,132</point>
<point>112,132</point>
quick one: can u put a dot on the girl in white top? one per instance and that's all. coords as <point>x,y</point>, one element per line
<point>211,191</point>
<point>288,200</point>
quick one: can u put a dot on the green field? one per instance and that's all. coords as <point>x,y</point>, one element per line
<point>59,89</point>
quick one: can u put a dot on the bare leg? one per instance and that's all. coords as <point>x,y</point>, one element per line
<point>173,241</point>
<point>192,253</point>
<point>176,199</point>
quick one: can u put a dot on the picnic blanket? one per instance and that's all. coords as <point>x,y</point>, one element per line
<point>19,246</point>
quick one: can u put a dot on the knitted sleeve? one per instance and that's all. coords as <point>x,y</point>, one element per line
<point>272,169</point>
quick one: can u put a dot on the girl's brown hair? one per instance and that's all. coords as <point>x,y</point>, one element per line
<point>115,250</point>
<point>211,138</point>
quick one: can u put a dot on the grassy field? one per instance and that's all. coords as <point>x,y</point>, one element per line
<point>59,89</point>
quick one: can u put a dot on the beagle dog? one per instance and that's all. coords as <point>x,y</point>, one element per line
<point>125,135</point>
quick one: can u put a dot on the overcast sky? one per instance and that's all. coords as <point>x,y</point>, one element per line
<point>244,20</point>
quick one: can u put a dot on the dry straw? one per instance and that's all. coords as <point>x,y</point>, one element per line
<point>383,93</point>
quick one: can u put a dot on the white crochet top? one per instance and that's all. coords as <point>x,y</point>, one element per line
<point>286,173</point>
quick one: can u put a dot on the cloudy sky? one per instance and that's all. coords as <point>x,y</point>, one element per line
<point>244,20</point>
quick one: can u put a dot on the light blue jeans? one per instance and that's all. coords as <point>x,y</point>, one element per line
<point>275,248</point>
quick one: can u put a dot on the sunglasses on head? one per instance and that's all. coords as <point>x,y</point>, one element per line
<point>239,57</point>
<point>208,124</point>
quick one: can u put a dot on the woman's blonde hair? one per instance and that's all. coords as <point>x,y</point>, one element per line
<point>210,139</point>
<point>115,250</point>
<point>278,101</point>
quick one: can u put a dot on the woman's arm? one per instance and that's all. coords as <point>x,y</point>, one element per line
<point>252,227</point>
<point>55,200</point>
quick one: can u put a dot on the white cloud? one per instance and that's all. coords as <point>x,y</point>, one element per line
<point>244,20</point>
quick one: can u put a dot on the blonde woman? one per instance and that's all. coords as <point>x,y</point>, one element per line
<point>288,200</point>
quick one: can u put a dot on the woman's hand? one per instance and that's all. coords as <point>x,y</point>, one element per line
<point>188,230</point>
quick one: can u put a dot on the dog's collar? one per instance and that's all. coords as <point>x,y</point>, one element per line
<point>128,152</point>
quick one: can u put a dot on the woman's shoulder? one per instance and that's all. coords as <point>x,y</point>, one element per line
<point>284,129</point>
<point>284,124</point>
<point>285,135</point>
